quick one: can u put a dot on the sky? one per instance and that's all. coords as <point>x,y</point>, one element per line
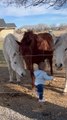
<point>33,15</point>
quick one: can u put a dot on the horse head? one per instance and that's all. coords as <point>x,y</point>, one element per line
<point>59,52</point>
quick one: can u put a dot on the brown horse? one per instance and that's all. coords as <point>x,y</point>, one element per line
<point>36,48</point>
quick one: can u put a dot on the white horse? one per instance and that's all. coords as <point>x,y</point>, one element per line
<point>61,55</point>
<point>13,57</point>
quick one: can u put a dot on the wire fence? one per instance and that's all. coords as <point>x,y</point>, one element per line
<point>56,72</point>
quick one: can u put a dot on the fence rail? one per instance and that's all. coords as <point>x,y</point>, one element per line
<point>57,73</point>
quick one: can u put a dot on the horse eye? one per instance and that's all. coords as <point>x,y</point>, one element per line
<point>14,54</point>
<point>15,62</point>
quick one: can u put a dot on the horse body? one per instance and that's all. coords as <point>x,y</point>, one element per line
<point>47,41</point>
<point>61,55</point>
<point>14,60</point>
<point>36,48</point>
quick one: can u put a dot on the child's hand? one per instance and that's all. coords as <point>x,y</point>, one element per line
<point>52,77</point>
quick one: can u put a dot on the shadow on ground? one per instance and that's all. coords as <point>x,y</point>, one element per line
<point>18,99</point>
<point>28,106</point>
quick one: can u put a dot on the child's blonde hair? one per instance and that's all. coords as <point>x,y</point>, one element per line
<point>41,66</point>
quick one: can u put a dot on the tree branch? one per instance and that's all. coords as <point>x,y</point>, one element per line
<point>51,3</point>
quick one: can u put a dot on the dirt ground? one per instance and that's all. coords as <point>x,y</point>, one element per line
<point>19,102</point>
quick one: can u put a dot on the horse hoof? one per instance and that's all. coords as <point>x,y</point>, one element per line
<point>11,82</point>
<point>18,82</point>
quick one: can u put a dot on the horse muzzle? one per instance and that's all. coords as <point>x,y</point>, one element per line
<point>23,74</point>
<point>59,66</point>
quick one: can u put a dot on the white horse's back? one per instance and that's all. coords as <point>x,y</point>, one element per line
<point>10,44</point>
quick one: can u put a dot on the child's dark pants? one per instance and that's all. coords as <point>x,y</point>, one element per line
<point>40,91</point>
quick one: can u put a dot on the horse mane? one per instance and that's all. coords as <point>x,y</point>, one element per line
<point>57,40</point>
<point>28,38</point>
<point>28,43</point>
<point>18,42</point>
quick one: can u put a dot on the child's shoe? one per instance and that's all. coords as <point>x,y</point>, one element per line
<point>41,100</point>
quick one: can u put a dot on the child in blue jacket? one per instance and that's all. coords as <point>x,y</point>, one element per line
<point>40,77</point>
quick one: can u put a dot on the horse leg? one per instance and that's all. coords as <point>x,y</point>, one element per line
<point>32,76</point>
<point>18,77</point>
<point>51,70</point>
<point>65,88</point>
<point>51,67</point>
<point>30,67</point>
<point>11,72</point>
<point>7,58</point>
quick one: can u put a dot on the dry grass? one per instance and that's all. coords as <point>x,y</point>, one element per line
<point>59,32</point>
<point>1,45</point>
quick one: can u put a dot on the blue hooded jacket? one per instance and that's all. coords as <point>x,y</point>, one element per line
<point>41,76</point>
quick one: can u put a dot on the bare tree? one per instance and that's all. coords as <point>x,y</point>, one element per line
<point>27,3</point>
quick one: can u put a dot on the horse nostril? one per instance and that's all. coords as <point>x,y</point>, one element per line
<point>22,75</point>
<point>61,65</point>
<point>56,65</point>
